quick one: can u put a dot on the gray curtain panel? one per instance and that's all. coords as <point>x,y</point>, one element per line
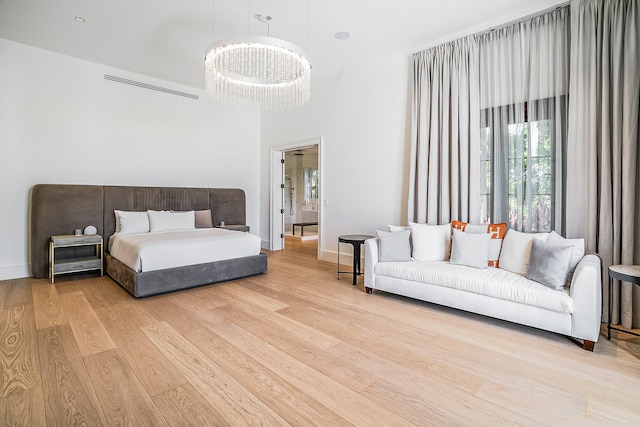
<point>524,82</point>
<point>445,155</point>
<point>603,168</point>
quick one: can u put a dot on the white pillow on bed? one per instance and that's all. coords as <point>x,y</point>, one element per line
<point>171,221</point>
<point>128,222</point>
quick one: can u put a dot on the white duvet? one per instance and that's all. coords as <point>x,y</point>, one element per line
<point>168,249</point>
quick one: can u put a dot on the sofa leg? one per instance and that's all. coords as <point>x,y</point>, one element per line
<point>589,345</point>
<point>369,290</point>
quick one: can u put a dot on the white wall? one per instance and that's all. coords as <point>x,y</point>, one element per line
<point>362,114</point>
<point>61,122</point>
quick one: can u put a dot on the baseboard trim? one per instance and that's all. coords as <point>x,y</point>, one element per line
<point>332,256</point>
<point>20,271</point>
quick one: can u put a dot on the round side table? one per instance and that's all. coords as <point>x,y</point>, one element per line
<point>624,273</point>
<point>356,240</point>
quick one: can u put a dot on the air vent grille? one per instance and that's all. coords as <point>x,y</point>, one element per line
<point>150,87</point>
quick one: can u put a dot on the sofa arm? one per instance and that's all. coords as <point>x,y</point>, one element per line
<point>586,292</point>
<point>370,261</point>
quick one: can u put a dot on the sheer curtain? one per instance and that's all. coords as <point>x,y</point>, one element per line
<point>443,183</point>
<point>603,171</point>
<point>524,82</point>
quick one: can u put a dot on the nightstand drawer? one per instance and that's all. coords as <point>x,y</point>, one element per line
<point>77,264</point>
<point>72,240</point>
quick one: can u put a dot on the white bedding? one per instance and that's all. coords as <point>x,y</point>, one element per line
<point>168,249</point>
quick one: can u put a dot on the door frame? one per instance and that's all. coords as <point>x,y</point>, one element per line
<point>276,226</point>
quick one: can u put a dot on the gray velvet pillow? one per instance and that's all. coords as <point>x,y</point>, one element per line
<point>394,246</point>
<point>203,219</point>
<point>549,264</point>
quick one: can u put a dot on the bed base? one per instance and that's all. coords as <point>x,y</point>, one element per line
<point>149,283</point>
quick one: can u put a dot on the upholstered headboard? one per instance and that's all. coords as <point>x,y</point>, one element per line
<point>60,209</point>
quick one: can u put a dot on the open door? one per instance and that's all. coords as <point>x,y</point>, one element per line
<point>278,196</point>
<point>277,204</point>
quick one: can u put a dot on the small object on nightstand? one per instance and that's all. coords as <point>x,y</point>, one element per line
<point>90,229</point>
<point>78,232</point>
<point>76,263</point>
<point>221,223</point>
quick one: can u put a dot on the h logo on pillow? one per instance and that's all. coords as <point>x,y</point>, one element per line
<point>497,232</point>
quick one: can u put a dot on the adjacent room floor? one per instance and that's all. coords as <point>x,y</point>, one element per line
<point>292,346</point>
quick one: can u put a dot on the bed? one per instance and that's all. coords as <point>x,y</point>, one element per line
<point>60,209</point>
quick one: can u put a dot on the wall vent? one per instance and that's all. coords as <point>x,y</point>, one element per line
<point>150,87</point>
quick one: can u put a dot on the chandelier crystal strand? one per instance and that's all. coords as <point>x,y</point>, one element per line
<point>258,72</point>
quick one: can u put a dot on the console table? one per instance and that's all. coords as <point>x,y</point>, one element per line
<point>624,273</point>
<point>356,240</point>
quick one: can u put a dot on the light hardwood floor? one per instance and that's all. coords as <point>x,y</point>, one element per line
<point>293,346</point>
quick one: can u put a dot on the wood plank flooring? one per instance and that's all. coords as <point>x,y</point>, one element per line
<point>294,346</point>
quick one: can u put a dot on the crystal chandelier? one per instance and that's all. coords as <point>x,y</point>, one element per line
<point>258,71</point>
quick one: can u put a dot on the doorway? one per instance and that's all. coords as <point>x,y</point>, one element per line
<point>296,183</point>
<point>301,188</point>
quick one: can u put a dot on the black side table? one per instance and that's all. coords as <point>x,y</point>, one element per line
<point>624,273</point>
<point>356,240</point>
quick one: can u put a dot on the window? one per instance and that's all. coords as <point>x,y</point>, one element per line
<point>519,181</point>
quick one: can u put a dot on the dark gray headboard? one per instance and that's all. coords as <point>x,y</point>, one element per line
<point>60,209</point>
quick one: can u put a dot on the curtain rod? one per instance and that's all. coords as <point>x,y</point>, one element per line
<point>524,18</point>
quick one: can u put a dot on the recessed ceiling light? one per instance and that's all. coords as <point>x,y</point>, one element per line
<point>80,19</point>
<point>342,35</point>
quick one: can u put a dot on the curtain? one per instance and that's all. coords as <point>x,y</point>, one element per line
<point>443,183</point>
<point>603,171</point>
<point>524,82</point>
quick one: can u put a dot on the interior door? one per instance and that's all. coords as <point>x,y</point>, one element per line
<point>277,207</point>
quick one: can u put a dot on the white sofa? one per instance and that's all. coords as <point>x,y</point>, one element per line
<point>496,292</point>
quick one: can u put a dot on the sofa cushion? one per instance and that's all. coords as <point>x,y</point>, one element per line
<point>493,282</point>
<point>576,244</point>
<point>549,264</point>
<point>516,249</point>
<point>430,242</point>
<point>469,249</point>
<point>394,246</point>
<point>496,231</point>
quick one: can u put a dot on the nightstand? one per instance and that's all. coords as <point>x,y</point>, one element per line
<point>77,263</point>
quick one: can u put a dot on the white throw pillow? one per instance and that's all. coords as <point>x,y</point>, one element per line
<point>577,245</point>
<point>495,231</point>
<point>397,228</point>
<point>516,250</point>
<point>470,249</point>
<point>128,222</point>
<point>430,242</point>
<point>171,221</point>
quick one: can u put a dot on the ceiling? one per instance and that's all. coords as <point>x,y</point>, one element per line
<point>166,39</point>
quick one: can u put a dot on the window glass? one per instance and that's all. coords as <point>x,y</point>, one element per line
<point>517,175</point>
